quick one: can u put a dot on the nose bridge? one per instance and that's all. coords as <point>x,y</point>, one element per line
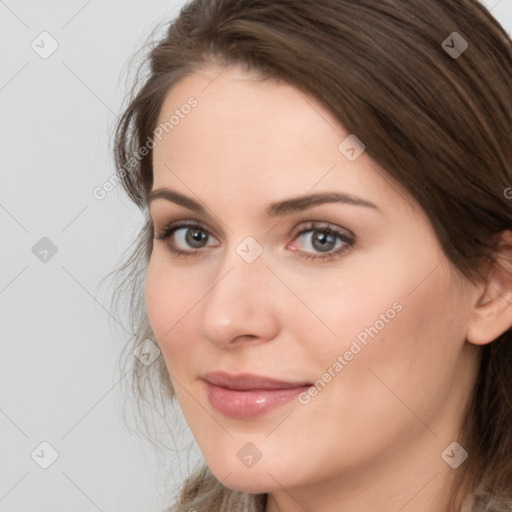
<point>238,302</point>
<point>242,269</point>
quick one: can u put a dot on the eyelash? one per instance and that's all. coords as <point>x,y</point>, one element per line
<point>169,230</point>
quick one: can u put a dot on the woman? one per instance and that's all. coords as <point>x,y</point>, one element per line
<point>327,253</point>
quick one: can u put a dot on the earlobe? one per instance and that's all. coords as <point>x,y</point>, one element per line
<point>492,314</point>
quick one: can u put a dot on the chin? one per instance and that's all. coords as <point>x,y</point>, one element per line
<point>249,480</point>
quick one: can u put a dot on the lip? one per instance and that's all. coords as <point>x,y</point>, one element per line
<point>246,395</point>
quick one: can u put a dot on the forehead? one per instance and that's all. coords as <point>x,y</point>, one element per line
<point>245,136</point>
<point>237,114</point>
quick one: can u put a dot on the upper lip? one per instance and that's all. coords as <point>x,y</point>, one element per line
<point>245,381</point>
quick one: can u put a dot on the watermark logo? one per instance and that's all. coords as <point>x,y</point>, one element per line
<point>249,455</point>
<point>351,148</point>
<point>454,455</point>
<point>249,249</point>
<point>44,45</point>
<point>147,352</point>
<point>44,250</point>
<point>454,45</point>
<point>44,455</point>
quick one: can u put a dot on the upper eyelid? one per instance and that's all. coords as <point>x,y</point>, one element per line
<point>184,223</point>
<point>306,214</point>
<point>190,224</point>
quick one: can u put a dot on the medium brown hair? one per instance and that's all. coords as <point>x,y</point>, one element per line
<point>440,126</point>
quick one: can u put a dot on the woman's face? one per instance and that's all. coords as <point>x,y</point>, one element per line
<point>365,323</point>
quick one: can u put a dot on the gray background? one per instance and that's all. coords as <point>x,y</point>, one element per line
<point>59,380</point>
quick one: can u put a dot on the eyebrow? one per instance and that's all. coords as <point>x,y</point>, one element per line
<point>293,204</point>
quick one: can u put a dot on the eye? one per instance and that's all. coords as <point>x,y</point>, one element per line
<point>185,238</point>
<point>322,241</point>
<point>318,241</point>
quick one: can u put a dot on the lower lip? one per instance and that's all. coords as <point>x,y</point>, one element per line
<point>251,403</point>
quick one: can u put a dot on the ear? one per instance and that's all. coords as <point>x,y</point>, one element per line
<point>492,314</point>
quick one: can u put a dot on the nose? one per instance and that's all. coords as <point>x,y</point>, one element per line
<point>241,304</point>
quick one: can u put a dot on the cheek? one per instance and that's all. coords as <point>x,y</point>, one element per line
<point>397,320</point>
<point>159,297</point>
<point>411,359</point>
<point>170,298</point>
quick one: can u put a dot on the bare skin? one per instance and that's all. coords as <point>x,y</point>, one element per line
<point>372,437</point>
